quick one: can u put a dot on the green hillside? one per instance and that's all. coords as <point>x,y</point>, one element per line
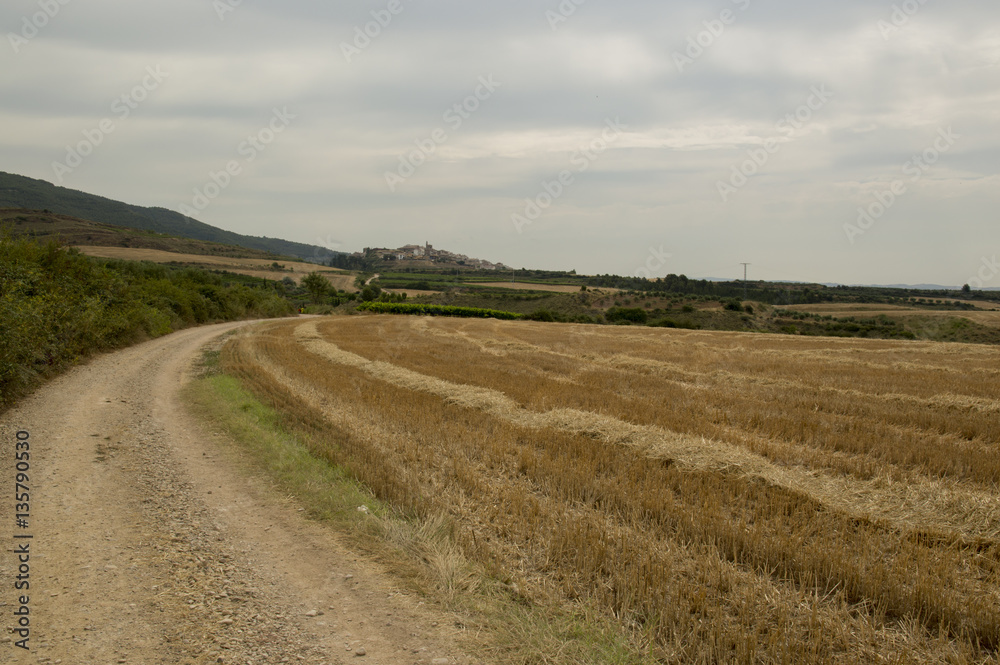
<point>21,192</point>
<point>66,230</point>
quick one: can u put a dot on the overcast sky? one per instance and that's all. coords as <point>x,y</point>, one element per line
<point>850,142</point>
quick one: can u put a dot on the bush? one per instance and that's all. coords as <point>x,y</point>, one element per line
<point>631,315</point>
<point>57,306</point>
<point>541,315</point>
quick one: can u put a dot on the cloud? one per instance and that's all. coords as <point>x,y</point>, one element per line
<point>561,82</point>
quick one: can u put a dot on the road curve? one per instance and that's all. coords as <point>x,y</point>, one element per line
<point>149,545</point>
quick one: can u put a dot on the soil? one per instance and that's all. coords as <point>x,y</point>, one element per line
<point>151,543</point>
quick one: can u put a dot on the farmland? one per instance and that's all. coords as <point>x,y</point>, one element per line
<point>723,497</point>
<point>261,268</point>
<point>531,286</point>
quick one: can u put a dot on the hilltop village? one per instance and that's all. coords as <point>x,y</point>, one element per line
<point>423,255</point>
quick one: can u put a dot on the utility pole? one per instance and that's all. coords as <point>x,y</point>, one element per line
<point>745,279</point>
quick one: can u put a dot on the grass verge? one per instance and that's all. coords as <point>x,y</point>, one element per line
<point>423,553</point>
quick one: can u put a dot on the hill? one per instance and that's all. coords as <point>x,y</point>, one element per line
<point>21,192</point>
<point>250,267</point>
<point>114,242</point>
<point>69,230</point>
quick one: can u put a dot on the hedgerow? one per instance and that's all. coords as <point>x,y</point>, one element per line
<point>57,306</point>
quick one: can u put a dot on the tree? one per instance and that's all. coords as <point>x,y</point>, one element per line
<point>966,288</point>
<point>633,314</point>
<point>316,285</point>
<point>371,292</point>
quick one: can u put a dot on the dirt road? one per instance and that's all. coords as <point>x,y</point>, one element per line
<point>148,545</point>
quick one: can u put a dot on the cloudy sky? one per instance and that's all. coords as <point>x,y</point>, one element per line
<point>851,142</point>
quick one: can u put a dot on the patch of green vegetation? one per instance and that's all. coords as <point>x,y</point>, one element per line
<point>904,326</point>
<point>706,313</point>
<point>470,280</point>
<point>779,293</point>
<point>329,491</point>
<point>626,314</point>
<point>58,306</point>
<point>952,329</point>
<point>378,307</point>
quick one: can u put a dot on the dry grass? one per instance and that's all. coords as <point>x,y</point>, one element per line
<point>730,497</point>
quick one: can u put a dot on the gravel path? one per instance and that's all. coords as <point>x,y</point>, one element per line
<point>149,545</point>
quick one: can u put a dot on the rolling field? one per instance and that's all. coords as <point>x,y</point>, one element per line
<point>986,317</point>
<point>252,267</point>
<point>726,497</point>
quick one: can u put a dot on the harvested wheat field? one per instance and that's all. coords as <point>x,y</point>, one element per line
<point>726,497</point>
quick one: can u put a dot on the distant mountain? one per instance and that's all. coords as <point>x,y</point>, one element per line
<point>909,287</point>
<point>916,287</point>
<point>20,192</point>
<point>925,287</point>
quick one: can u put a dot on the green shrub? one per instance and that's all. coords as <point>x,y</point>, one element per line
<point>632,315</point>
<point>57,306</point>
<point>541,315</point>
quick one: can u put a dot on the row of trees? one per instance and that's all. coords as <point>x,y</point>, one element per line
<point>322,292</point>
